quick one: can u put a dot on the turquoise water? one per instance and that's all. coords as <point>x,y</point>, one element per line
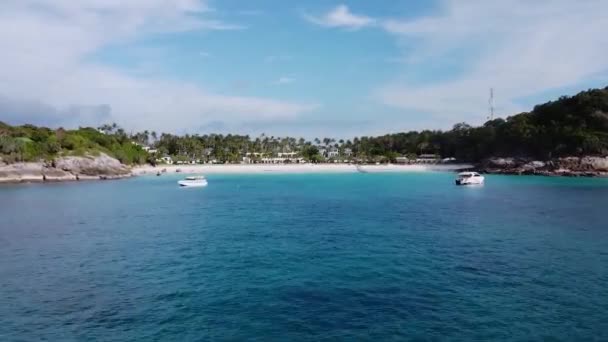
<point>305,257</point>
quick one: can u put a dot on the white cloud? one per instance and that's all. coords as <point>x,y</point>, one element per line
<point>341,16</point>
<point>521,48</point>
<point>284,80</point>
<point>45,61</point>
<point>204,54</point>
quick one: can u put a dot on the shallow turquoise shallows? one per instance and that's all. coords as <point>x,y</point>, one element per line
<point>304,258</point>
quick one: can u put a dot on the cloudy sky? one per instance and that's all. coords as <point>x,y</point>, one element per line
<point>315,68</point>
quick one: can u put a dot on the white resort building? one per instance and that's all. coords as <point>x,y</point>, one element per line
<point>333,152</point>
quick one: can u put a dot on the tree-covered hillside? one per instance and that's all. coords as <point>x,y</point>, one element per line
<point>569,126</point>
<point>30,143</point>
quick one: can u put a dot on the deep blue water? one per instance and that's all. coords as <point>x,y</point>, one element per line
<point>305,257</point>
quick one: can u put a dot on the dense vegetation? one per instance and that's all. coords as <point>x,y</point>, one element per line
<point>30,143</point>
<point>576,125</point>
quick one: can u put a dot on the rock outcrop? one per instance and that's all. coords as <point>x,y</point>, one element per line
<point>587,166</point>
<point>92,166</point>
<point>64,169</point>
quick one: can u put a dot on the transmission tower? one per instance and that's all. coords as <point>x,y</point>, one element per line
<point>491,104</point>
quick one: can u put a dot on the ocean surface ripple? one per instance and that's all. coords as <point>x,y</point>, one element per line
<point>305,257</point>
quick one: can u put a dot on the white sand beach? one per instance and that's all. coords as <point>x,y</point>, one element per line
<point>38,172</point>
<point>294,168</point>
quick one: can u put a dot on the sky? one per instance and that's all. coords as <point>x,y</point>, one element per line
<point>310,68</point>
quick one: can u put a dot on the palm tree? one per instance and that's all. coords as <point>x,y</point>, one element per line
<point>105,128</point>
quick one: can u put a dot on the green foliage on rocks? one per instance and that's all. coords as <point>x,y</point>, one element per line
<point>30,143</point>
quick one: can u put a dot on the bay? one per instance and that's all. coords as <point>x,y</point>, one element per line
<point>305,257</point>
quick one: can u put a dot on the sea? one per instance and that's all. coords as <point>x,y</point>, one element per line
<point>305,257</point>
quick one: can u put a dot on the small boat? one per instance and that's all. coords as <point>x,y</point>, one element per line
<point>469,178</point>
<point>193,181</point>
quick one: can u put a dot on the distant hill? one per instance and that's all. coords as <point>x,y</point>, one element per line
<point>569,126</point>
<point>576,125</point>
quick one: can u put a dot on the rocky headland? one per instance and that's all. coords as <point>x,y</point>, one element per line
<point>587,166</point>
<point>69,168</point>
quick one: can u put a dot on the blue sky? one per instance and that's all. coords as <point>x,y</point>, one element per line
<point>317,68</point>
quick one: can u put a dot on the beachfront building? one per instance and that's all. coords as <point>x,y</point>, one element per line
<point>283,158</point>
<point>348,152</point>
<point>254,154</point>
<point>402,160</point>
<point>287,155</point>
<point>252,157</point>
<point>428,159</point>
<point>333,152</point>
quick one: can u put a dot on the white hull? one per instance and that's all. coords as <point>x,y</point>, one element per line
<point>469,178</point>
<point>469,182</point>
<point>192,184</point>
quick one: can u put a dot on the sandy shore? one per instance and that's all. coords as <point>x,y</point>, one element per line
<point>293,168</point>
<point>35,172</point>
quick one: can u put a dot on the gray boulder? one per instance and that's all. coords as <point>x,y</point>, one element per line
<point>501,162</point>
<point>533,165</point>
<point>102,165</point>
<point>595,163</point>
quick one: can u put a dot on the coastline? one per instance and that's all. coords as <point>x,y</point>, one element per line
<point>102,167</point>
<point>65,169</point>
<point>293,168</point>
<point>39,178</point>
<point>38,173</point>
<point>587,166</point>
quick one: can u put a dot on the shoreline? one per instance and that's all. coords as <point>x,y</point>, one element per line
<point>556,173</point>
<point>26,176</point>
<point>21,173</point>
<point>585,166</point>
<point>31,179</point>
<point>294,168</point>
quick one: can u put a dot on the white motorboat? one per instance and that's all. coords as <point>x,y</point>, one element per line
<point>193,181</point>
<point>469,178</point>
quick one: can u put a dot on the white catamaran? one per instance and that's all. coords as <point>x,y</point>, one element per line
<point>193,181</point>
